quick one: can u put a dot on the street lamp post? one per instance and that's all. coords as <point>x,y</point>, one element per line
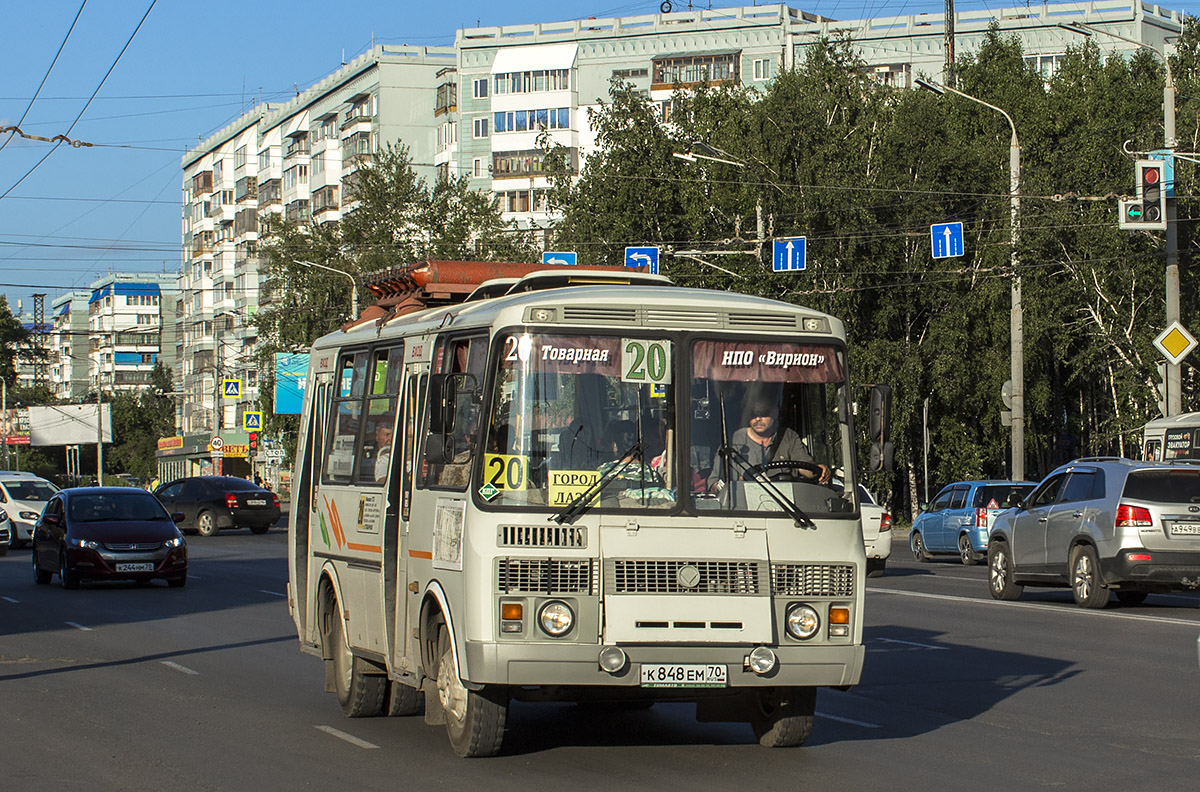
<point>1174,400</point>
<point>353,284</point>
<point>1016,320</point>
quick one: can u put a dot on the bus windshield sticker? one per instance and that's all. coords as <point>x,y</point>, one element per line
<point>567,485</point>
<point>506,471</point>
<point>645,361</point>
<point>766,361</point>
<point>565,354</point>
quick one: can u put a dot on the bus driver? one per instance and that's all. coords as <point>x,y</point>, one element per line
<point>765,441</point>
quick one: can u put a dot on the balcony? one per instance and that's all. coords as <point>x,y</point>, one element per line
<point>270,193</point>
<point>446,100</point>
<point>354,117</point>
<point>202,183</point>
<point>246,189</point>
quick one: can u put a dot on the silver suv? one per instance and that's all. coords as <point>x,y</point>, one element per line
<point>1102,524</point>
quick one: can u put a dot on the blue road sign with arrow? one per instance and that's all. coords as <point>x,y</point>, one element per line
<point>789,253</point>
<point>642,257</point>
<point>947,240</point>
<point>558,259</point>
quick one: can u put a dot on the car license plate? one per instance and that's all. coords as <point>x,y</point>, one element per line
<point>256,502</point>
<point>684,675</point>
<point>140,567</point>
<point>1185,529</point>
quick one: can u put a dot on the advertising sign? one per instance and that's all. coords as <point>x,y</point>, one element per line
<point>291,374</point>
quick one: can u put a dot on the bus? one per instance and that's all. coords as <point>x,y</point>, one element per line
<point>547,491</point>
<point>1176,437</point>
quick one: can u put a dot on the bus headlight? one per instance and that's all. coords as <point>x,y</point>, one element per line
<point>556,619</point>
<point>802,622</point>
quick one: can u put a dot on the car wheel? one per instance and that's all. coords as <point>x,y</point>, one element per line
<point>1000,573</point>
<point>177,582</point>
<point>916,543</point>
<point>259,529</point>
<point>206,524</point>
<point>1129,597</point>
<point>360,694</point>
<point>66,575</point>
<point>475,719</point>
<point>1086,584</point>
<point>965,551</point>
<point>40,576</point>
<point>783,717</point>
<point>875,567</point>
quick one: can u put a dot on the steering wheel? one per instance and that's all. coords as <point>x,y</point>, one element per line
<point>778,470</point>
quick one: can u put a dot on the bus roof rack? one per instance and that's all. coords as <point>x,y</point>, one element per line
<point>414,287</point>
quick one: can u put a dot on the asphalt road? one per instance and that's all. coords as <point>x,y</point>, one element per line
<point>118,687</point>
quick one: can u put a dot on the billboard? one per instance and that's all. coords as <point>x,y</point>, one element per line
<point>69,424</point>
<point>15,426</point>
<point>291,375</point>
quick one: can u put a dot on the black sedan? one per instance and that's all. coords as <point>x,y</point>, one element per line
<point>107,533</point>
<point>210,503</point>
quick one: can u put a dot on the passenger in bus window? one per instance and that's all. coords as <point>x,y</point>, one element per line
<point>383,450</point>
<point>763,441</point>
<point>620,441</point>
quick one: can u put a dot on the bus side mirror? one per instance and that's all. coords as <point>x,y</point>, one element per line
<point>444,392</point>
<point>882,455</point>
<point>439,449</point>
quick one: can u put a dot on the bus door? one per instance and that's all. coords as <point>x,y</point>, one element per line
<point>400,489</point>
<point>306,484</point>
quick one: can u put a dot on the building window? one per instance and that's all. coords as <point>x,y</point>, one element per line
<point>1045,65</point>
<point>479,88</point>
<point>264,159</point>
<point>629,74</point>
<point>530,81</point>
<point>693,69</point>
<point>295,176</point>
<point>480,127</point>
<point>533,120</point>
<point>895,75</point>
<point>239,158</point>
<point>477,168</point>
<point>764,68</point>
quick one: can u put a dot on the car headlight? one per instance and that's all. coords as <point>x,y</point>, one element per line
<point>556,618</point>
<point>3,515</point>
<point>176,542</point>
<point>27,515</point>
<point>86,544</point>
<point>802,622</point>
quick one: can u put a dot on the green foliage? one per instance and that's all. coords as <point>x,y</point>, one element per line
<point>862,170</point>
<point>16,344</point>
<point>138,420</point>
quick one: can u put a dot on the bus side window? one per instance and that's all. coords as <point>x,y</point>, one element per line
<point>345,419</point>
<point>1153,451</point>
<point>462,356</point>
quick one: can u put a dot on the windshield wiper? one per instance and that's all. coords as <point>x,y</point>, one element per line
<point>759,477</point>
<point>575,507</point>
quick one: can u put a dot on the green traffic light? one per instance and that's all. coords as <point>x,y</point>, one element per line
<point>1134,212</point>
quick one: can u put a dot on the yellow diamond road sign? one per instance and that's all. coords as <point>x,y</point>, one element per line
<point>1175,342</point>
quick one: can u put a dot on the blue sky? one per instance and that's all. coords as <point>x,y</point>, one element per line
<point>191,69</point>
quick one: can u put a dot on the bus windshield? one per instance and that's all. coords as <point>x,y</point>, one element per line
<point>593,417</point>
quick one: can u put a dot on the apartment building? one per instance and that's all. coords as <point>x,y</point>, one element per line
<point>131,328</point>
<point>68,346</point>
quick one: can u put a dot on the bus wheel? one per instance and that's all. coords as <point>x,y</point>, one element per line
<point>474,719</point>
<point>783,717</point>
<point>359,693</point>
<point>402,700</point>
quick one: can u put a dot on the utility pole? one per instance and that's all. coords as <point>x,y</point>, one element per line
<point>948,77</point>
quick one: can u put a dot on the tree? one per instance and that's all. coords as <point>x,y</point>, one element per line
<point>138,420</point>
<point>16,344</point>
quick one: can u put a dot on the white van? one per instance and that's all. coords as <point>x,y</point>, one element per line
<point>23,496</point>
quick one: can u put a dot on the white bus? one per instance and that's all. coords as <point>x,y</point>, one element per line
<point>1177,437</point>
<point>550,495</point>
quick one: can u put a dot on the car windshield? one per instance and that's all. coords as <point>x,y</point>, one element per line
<point>104,507</point>
<point>1000,496</point>
<point>1164,486</point>
<point>38,491</point>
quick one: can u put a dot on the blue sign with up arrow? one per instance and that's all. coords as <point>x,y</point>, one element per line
<point>947,240</point>
<point>789,254</point>
<point>558,259</point>
<point>642,257</point>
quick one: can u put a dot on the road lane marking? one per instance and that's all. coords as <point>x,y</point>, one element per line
<point>851,721</point>
<point>910,643</point>
<point>1061,609</point>
<point>272,593</point>
<point>78,626</point>
<point>10,599</point>
<point>350,738</point>
<point>183,669</point>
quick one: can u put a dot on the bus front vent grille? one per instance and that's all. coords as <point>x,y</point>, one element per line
<point>542,536</point>
<point>547,576</point>
<point>599,315</point>
<point>677,576</point>
<point>812,580</point>
<point>762,321</point>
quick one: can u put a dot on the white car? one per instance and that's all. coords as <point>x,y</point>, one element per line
<point>877,532</point>
<point>6,529</point>
<point>23,496</point>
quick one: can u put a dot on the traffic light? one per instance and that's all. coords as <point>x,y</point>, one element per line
<point>253,436</point>
<point>1147,212</point>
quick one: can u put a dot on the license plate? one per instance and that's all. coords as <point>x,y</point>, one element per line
<point>684,675</point>
<point>141,567</point>
<point>1185,529</point>
<point>256,502</point>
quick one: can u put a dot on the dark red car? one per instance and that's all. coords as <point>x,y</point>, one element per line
<point>210,503</point>
<point>108,533</point>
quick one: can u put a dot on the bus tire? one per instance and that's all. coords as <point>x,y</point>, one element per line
<point>402,700</point>
<point>783,717</point>
<point>474,719</point>
<point>360,694</point>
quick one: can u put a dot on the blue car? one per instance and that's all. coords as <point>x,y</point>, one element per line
<point>960,517</point>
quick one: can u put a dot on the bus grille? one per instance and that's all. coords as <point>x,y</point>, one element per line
<point>676,577</point>
<point>546,576</point>
<point>542,536</point>
<point>678,317</point>
<point>812,580</point>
